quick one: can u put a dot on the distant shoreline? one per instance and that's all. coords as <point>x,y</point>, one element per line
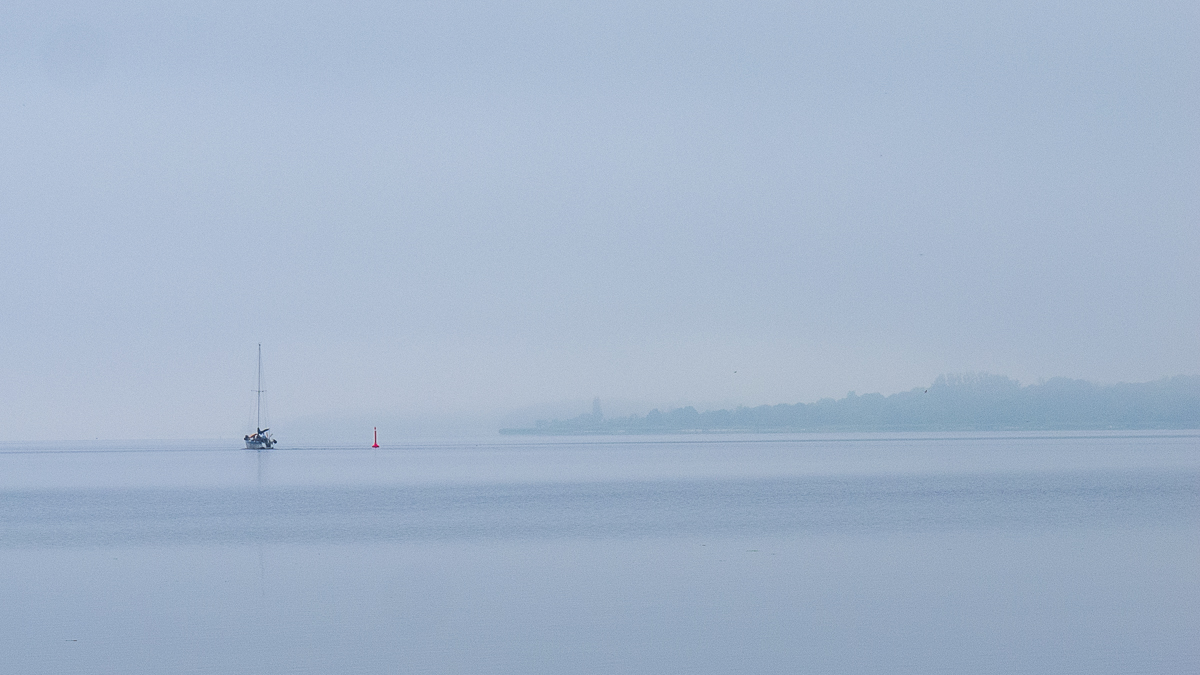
<point>533,431</point>
<point>953,403</point>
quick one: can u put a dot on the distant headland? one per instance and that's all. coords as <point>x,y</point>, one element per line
<point>975,402</point>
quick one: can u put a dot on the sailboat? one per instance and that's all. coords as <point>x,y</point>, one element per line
<point>260,439</point>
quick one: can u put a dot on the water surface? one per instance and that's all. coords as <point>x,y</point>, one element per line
<point>1013,553</point>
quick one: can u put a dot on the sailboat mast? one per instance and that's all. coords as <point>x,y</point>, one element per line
<point>258,393</point>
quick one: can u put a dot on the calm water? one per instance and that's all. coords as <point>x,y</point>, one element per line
<point>985,553</point>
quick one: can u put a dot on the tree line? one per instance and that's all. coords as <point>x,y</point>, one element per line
<point>980,402</point>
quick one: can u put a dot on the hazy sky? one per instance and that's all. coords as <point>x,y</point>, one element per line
<point>460,209</point>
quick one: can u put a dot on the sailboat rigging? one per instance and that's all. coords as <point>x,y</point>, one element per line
<point>260,439</point>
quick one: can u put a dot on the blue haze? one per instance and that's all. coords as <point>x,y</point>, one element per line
<point>446,215</point>
<point>444,212</point>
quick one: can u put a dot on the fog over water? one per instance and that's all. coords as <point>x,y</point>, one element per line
<point>447,212</point>
<point>446,218</point>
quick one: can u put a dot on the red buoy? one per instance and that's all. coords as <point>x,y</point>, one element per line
<point>376,444</point>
